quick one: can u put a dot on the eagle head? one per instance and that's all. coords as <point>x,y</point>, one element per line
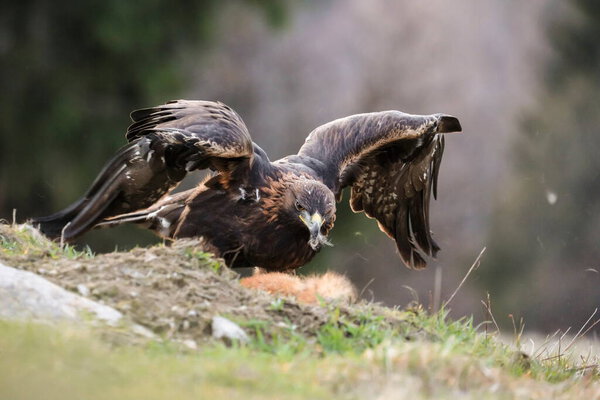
<point>311,204</point>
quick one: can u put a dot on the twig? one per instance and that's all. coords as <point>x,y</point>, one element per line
<point>62,235</point>
<point>473,267</point>
<point>587,330</point>
<point>365,287</point>
<point>488,307</point>
<point>482,323</point>
<point>430,306</point>
<point>519,334</point>
<point>583,367</point>
<point>578,335</point>
<point>437,289</point>
<point>544,345</point>
<point>14,215</point>
<point>581,329</point>
<point>558,343</point>
<point>560,353</point>
<point>413,292</point>
<point>586,360</point>
<point>532,346</point>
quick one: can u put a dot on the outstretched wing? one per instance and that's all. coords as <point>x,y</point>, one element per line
<point>196,134</point>
<point>211,128</point>
<point>391,161</point>
<point>165,143</point>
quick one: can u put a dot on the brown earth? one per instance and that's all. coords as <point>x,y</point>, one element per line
<point>173,290</point>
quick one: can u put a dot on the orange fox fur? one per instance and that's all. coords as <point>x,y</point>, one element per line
<point>308,289</point>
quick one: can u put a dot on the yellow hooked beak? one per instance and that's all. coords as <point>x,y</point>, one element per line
<point>313,223</point>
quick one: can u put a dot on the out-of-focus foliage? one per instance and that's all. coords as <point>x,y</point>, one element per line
<point>545,244</point>
<point>71,71</point>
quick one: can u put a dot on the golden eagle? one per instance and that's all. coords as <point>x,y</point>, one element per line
<point>254,212</point>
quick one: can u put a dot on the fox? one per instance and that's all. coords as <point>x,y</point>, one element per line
<point>305,289</point>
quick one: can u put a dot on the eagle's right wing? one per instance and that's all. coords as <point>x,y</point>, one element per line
<point>390,160</point>
<point>165,143</point>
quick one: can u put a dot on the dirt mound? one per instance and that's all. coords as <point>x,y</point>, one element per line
<point>173,290</point>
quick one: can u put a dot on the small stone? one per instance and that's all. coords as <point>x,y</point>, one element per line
<point>190,344</point>
<point>205,305</point>
<point>149,257</point>
<point>83,290</point>
<point>224,328</point>
<point>176,309</point>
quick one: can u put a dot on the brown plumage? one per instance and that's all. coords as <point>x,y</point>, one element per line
<point>254,212</point>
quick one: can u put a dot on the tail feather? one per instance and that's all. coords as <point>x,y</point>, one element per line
<point>53,225</point>
<point>85,211</point>
<point>162,217</point>
<point>93,211</point>
<point>134,217</point>
<point>135,178</point>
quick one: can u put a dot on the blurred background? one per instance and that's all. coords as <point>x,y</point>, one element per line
<point>523,179</point>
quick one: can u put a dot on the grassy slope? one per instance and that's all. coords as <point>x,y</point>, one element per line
<point>361,352</point>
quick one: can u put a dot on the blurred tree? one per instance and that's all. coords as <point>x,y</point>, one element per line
<point>547,226</point>
<point>71,71</point>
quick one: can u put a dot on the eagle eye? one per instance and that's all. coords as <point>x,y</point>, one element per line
<point>299,206</point>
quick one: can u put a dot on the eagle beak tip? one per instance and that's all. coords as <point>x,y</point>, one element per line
<point>448,124</point>
<point>314,223</point>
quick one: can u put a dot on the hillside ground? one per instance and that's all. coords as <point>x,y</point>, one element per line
<point>328,351</point>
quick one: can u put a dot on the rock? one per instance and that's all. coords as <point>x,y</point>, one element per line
<point>222,328</point>
<point>83,290</point>
<point>27,296</point>
<point>190,344</point>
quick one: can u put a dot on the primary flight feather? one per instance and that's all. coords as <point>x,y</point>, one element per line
<point>254,212</point>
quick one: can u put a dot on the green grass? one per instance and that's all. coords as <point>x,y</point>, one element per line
<point>345,361</point>
<point>341,335</point>
<point>40,362</point>
<point>205,258</point>
<point>24,241</point>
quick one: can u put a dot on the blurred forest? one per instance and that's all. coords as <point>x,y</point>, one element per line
<point>523,77</point>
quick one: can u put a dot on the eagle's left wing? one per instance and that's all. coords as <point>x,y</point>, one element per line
<point>165,143</point>
<point>391,160</point>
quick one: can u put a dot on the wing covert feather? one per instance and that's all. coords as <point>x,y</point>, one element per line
<point>213,128</point>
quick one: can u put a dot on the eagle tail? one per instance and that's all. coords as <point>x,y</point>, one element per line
<point>52,225</point>
<point>87,211</point>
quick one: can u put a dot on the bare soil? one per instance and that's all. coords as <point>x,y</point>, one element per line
<point>173,290</point>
